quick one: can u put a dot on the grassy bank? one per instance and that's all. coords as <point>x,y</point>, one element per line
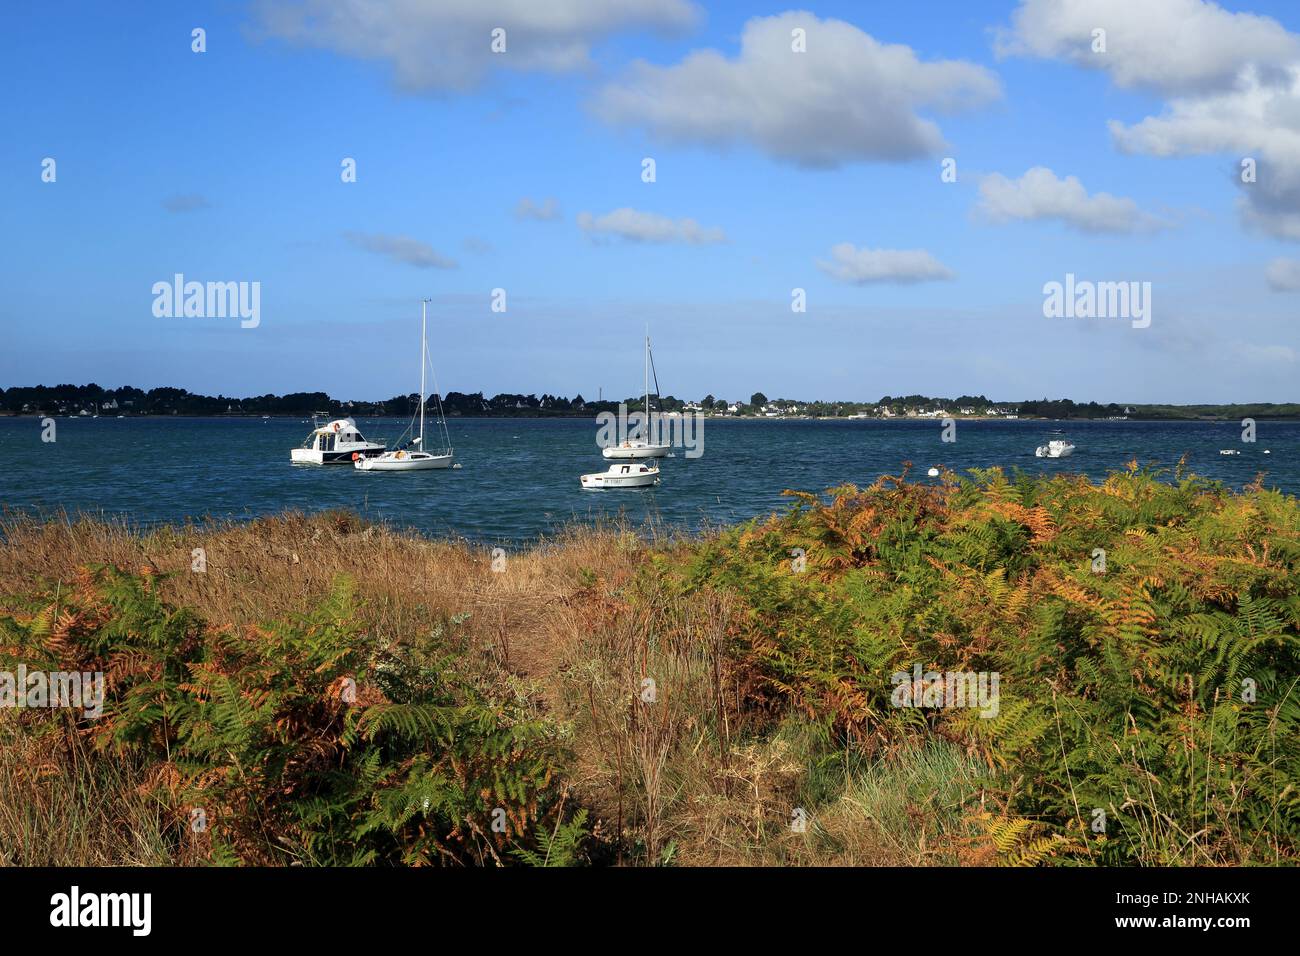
<point>315,690</point>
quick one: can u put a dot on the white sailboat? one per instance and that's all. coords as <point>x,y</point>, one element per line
<point>415,458</point>
<point>638,448</point>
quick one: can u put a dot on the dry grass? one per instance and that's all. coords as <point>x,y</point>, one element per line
<point>580,620</point>
<point>280,566</point>
<point>61,807</point>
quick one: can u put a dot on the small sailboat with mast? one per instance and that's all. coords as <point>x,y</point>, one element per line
<point>412,456</point>
<point>643,446</point>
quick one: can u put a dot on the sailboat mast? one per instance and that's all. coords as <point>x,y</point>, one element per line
<point>647,384</point>
<point>424,324</point>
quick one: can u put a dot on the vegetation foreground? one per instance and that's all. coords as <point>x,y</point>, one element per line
<point>315,690</point>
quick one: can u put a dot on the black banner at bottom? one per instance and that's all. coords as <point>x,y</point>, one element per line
<point>334,906</point>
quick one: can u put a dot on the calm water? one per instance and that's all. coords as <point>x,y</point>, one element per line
<point>520,478</point>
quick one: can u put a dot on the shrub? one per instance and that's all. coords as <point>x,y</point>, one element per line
<point>300,741</point>
<point>1155,701</point>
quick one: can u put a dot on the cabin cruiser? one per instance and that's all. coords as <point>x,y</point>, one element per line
<point>1055,448</point>
<point>623,476</point>
<point>335,443</point>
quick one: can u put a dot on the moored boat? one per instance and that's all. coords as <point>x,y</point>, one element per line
<point>634,449</point>
<point>623,476</point>
<point>338,442</point>
<point>404,460</point>
<point>411,456</point>
<point>640,448</point>
<point>1055,448</point>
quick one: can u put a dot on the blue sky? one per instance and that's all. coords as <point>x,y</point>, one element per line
<point>782,168</point>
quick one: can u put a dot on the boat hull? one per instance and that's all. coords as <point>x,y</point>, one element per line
<point>621,476</point>
<point>408,462</point>
<point>597,482</point>
<point>311,456</point>
<point>634,452</point>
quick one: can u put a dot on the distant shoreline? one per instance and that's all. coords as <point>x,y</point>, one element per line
<point>87,401</point>
<point>713,418</point>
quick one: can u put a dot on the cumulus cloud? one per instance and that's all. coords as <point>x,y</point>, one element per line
<point>1257,121</point>
<point>403,249</point>
<point>1283,275</point>
<point>860,266</point>
<point>546,210</point>
<point>186,203</point>
<point>447,44</point>
<point>848,98</point>
<point>1172,46</point>
<point>637,226</point>
<point>1041,194</point>
<point>1231,82</point>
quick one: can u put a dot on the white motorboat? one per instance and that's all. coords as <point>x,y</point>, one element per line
<point>335,443</point>
<point>1055,448</point>
<point>623,476</point>
<point>640,448</point>
<point>412,456</point>
<point>1229,451</point>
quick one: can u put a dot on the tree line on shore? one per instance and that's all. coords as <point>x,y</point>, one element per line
<point>92,399</point>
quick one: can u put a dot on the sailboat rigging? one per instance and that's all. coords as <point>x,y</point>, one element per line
<point>413,457</point>
<point>644,446</point>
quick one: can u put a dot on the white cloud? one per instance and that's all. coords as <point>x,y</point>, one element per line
<point>546,210</point>
<point>859,266</point>
<point>1284,275</point>
<point>1232,82</point>
<point>638,226</point>
<point>446,44</point>
<point>1041,194</point>
<point>403,249</point>
<point>1255,121</point>
<point>847,98</point>
<point>1173,46</point>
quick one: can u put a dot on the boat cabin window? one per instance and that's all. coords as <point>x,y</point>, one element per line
<point>625,468</point>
